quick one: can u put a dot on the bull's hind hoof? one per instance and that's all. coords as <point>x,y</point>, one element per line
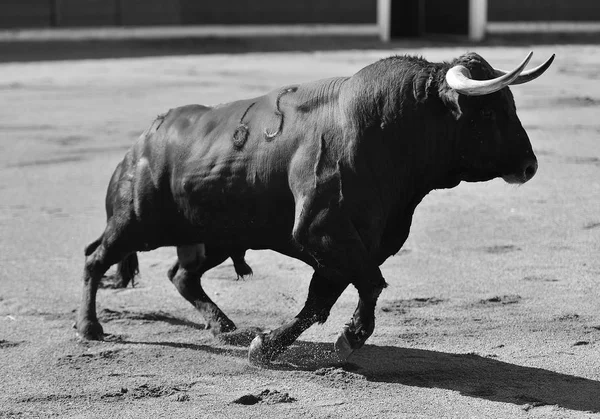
<point>90,330</point>
<point>343,348</point>
<point>218,326</point>
<point>242,269</point>
<point>259,353</point>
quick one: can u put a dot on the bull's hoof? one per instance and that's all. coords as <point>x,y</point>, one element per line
<point>173,271</point>
<point>242,269</point>
<point>90,330</point>
<point>221,326</point>
<point>343,348</point>
<point>259,353</point>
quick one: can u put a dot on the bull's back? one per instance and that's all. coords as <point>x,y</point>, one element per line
<point>224,190</point>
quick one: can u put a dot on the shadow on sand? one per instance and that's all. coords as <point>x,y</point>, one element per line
<point>470,375</point>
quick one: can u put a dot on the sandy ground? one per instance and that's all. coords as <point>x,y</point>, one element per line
<point>492,308</point>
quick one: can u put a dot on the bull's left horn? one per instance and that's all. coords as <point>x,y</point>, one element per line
<point>528,75</point>
<point>459,79</point>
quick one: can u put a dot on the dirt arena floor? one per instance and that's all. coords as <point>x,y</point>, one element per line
<point>492,309</point>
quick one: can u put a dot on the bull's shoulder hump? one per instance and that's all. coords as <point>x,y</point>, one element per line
<point>317,94</point>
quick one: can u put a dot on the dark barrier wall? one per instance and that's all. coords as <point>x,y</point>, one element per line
<point>150,12</point>
<point>439,18</point>
<point>36,13</point>
<point>46,13</point>
<point>25,13</point>
<point>278,11</point>
<point>543,10</point>
<point>406,18</point>
<point>85,12</point>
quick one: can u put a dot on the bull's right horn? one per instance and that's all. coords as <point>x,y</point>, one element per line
<point>527,76</point>
<point>459,79</point>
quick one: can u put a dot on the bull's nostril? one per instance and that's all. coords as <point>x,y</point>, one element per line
<point>530,170</point>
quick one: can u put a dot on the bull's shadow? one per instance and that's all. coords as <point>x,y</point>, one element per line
<point>470,375</point>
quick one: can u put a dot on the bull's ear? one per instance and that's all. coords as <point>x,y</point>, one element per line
<point>450,99</point>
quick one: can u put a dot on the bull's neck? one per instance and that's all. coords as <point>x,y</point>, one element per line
<point>406,135</point>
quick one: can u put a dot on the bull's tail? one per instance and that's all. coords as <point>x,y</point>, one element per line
<point>127,269</point>
<point>129,266</point>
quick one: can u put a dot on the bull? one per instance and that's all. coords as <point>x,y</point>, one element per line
<point>328,172</point>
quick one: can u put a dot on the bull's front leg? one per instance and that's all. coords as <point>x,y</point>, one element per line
<point>362,323</point>
<point>339,248</point>
<point>340,258</point>
<point>322,295</point>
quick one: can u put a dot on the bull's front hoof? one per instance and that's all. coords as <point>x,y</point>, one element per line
<point>90,330</point>
<point>343,348</point>
<point>259,353</point>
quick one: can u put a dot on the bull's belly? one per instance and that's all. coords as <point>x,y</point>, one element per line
<point>249,219</point>
<point>225,196</point>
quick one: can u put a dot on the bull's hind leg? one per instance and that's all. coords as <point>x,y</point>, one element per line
<point>193,261</point>
<point>322,295</point>
<point>242,269</point>
<point>109,249</point>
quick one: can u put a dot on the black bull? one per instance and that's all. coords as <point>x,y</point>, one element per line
<point>328,172</point>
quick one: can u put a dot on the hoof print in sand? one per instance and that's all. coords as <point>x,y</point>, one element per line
<point>501,249</point>
<point>529,402</point>
<point>147,390</point>
<point>107,315</point>
<point>590,226</point>
<point>102,357</point>
<point>502,299</point>
<point>339,376</point>
<point>265,397</point>
<point>569,317</point>
<point>175,393</point>
<point>401,306</point>
<point>7,344</point>
<point>540,278</point>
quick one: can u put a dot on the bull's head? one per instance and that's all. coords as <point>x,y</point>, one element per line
<point>491,140</point>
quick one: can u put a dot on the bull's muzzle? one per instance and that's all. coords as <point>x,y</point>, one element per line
<point>525,173</point>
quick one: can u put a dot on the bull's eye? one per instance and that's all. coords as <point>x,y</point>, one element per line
<point>487,113</point>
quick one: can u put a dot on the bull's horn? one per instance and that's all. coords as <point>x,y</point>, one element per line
<point>459,79</point>
<point>528,75</point>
